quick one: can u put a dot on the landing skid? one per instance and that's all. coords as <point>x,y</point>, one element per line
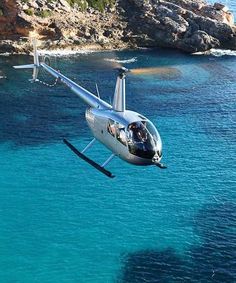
<point>90,161</point>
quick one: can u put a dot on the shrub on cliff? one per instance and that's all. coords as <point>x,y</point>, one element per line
<point>100,4</point>
<point>29,12</point>
<point>81,3</point>
<point>96,4</point>
<point>44,13</point>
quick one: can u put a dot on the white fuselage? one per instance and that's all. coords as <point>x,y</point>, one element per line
<point>129,135</point>
<point>98,121</point>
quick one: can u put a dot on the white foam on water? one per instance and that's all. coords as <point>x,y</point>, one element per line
<point>222,52</point>
<point>59,52</point>
<point>126,61</point>
<point>5,54</point>
<point>217,52</point>
<point>144,48</point>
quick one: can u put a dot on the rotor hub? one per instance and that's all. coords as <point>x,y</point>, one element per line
<point>122,72</point>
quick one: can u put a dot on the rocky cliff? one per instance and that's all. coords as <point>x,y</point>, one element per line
<point>189,25</point>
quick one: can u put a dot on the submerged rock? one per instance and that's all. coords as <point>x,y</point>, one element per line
<point>188,25</point>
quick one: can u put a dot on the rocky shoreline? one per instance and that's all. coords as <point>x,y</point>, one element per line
<point>187,25</point>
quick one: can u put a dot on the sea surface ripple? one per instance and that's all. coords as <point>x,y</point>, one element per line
<point>62,221</point>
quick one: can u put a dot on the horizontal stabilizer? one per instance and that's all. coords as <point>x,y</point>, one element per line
<point>30,66</point>
<point>88,160</point>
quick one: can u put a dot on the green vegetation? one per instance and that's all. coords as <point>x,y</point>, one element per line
<point>1,12</point>
<point>44,14</point>
<point>81,3</point>
<point>100,4</point>
<point>29,12</point>
<point>96,4</point>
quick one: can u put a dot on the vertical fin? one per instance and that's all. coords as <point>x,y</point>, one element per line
<point>36,60</point>
<point>34,66</point>
<point>35,52</point>
<point>119,103</point>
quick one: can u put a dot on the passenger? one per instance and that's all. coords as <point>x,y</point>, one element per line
<point>122,136</point>
<point>138,132</point>
<point>111,129</point>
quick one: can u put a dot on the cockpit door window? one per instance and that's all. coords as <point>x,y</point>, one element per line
<point>120,134</point>
<point>111,127</point>
<point>117,130</point>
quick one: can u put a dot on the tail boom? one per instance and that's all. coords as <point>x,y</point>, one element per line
<point>84,94</point>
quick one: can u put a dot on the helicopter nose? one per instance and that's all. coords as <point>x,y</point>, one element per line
<point>156,158</point>
<point>159,153</point>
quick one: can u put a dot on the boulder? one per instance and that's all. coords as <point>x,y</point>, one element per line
<point>188,25</point>
<point>199,41</point>
<point>184,24</point>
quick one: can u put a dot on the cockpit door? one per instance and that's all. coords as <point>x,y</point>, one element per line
<point>121,135</point>
<point>116,133</point>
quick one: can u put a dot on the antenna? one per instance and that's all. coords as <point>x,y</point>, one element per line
<point>97,90</point>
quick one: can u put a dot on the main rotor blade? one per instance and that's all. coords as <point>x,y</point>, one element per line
<point>114,63</point>
<point>156,71</point>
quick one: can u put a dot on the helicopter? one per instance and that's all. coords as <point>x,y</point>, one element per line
<point>127,134</point>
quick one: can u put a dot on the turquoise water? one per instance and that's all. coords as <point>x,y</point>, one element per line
<point>62,221</point>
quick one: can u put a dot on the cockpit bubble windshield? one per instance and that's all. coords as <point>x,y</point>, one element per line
<point>141,131</point>
<point>142,139</point>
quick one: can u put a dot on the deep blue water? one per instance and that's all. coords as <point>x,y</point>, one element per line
<point>62,221</point>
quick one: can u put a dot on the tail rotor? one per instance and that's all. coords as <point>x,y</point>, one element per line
<point>34,66</point>
<point>36,61</point>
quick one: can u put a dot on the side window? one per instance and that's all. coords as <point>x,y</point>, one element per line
<point>111,127</point>
<point>120,134</point>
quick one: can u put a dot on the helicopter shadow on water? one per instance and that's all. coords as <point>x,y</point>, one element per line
<point>212,261</point>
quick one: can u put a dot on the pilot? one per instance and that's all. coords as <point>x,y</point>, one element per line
<point>137,133</point>
<point>142,135</point>
<point>133,130</point>
<point>132,127</point>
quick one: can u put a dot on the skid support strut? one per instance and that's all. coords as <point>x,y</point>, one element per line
<point>88,160</point>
